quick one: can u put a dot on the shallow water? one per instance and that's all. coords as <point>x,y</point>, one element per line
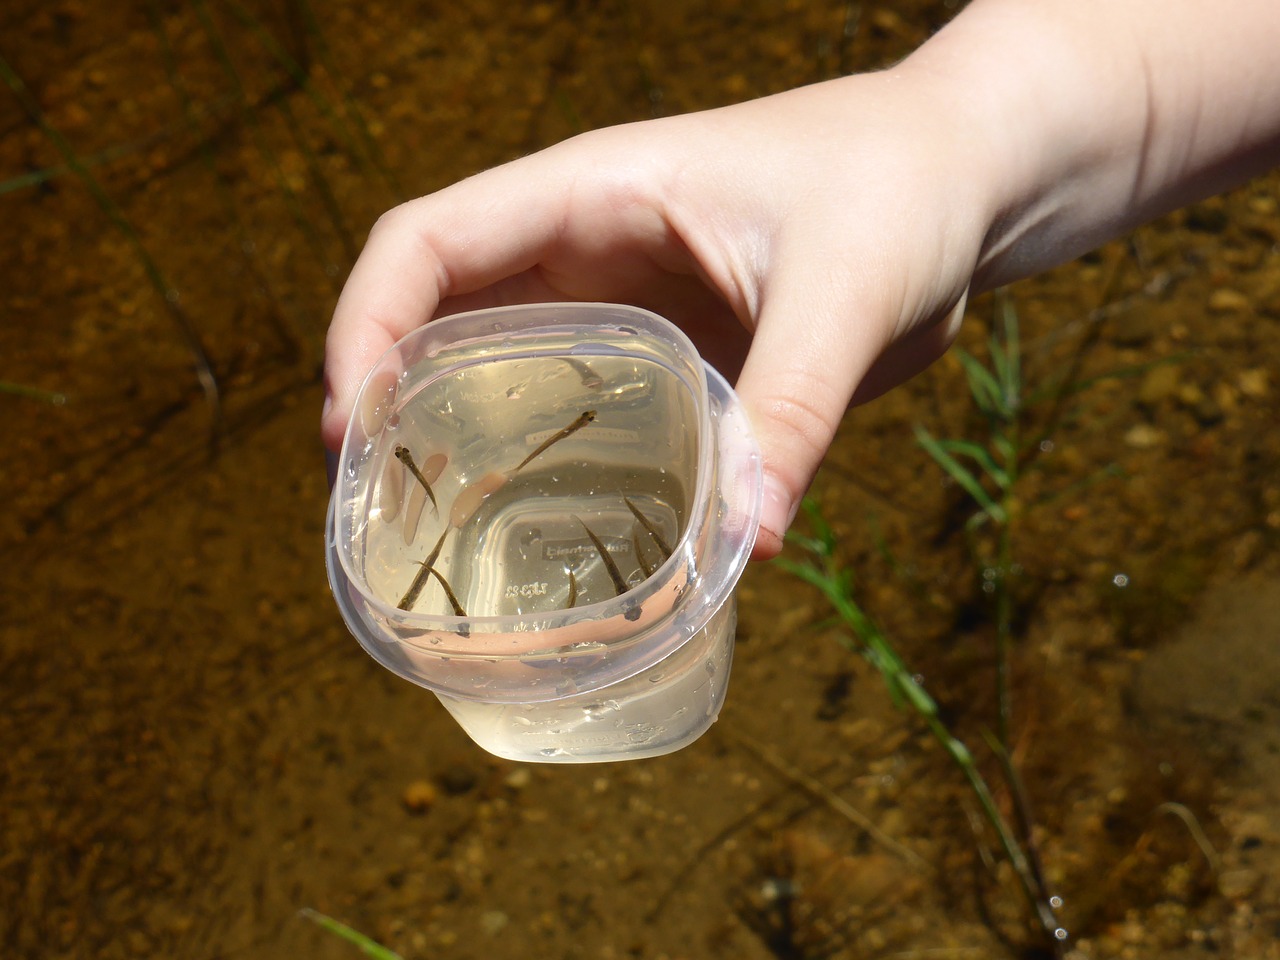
<point>193,747</point>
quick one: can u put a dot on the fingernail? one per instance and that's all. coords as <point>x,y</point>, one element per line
<point>778,509</point>
<point>328,405</point>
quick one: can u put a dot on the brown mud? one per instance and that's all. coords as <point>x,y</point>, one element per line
<point>193,748</point>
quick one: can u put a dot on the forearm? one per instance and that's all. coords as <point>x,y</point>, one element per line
<point>1107,113</point>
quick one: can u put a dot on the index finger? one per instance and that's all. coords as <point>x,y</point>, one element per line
<point>464,238</point>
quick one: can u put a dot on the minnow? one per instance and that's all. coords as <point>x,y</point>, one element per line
<point>645,565</point>
<point>420,580</point>
<point>405,457</point>
<point>653,531</point>
<point>619,584</point>
<point>583,419</point>
<point>448,592</point>
<point>615,574</point>
<point>590,379</point>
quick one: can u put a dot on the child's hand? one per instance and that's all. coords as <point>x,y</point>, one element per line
<point>822,241</point>
<point>816,240</point>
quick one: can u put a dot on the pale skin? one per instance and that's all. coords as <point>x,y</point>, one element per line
<point>820,243</point>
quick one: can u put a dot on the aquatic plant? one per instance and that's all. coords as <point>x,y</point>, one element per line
<point>168,293</point>
<point>54,397</point>
<point>824,570</point>
<point>367,945</point>
<point>987,469</point>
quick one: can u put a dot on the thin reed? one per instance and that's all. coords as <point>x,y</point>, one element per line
<point>987,467</point>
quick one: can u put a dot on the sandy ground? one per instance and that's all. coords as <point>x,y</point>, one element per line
<point>194,749</point>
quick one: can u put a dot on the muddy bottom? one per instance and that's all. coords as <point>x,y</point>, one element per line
<point>194,749</point>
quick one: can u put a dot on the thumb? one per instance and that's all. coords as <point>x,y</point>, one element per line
<point>809,352</point>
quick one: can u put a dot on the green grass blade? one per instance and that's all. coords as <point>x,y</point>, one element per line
<point>33,393</point>
<point>1005,448</point>
<point>821,528</point>
<point>903,688</point>
<point>979,455</point>
<point>982,385</point>
<point>1000,365</point>
<point>961,475</point>
<point>368,946</point>
<point>1012,351</point>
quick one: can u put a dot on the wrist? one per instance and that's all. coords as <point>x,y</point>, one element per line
<point>1102,115</point>
<point>1056,115</point>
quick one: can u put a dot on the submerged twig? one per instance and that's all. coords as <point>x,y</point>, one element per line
<point>311,25</point>
<point>290,196</point>
<point>204,368</point>
<point>818,791</point>
<point>1192,823</point>
<point>290,332</point>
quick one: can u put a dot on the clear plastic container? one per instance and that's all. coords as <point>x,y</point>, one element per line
<point>540,514</point>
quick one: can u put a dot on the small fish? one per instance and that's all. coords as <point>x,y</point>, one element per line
<point>403,455</point>
<point>645,565</point>
<point>619,584</point>
<point>590,379</point>
<point>420,580</point>
<point>653,531</point>
<point>573,589</point>
<point>448,592</point>
<point>583,419</point>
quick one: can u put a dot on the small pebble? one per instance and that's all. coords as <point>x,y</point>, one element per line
<point>1228,300</point>
<point>1254,383</point>
<point>492,922</point>
<point>1134,329</point>
<point>1238,884</point>
<point>1207,412</point>
<point>1160,382</point>
<point>419,796</point>
<point>1266,206</point>
<point>1144,437</point>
